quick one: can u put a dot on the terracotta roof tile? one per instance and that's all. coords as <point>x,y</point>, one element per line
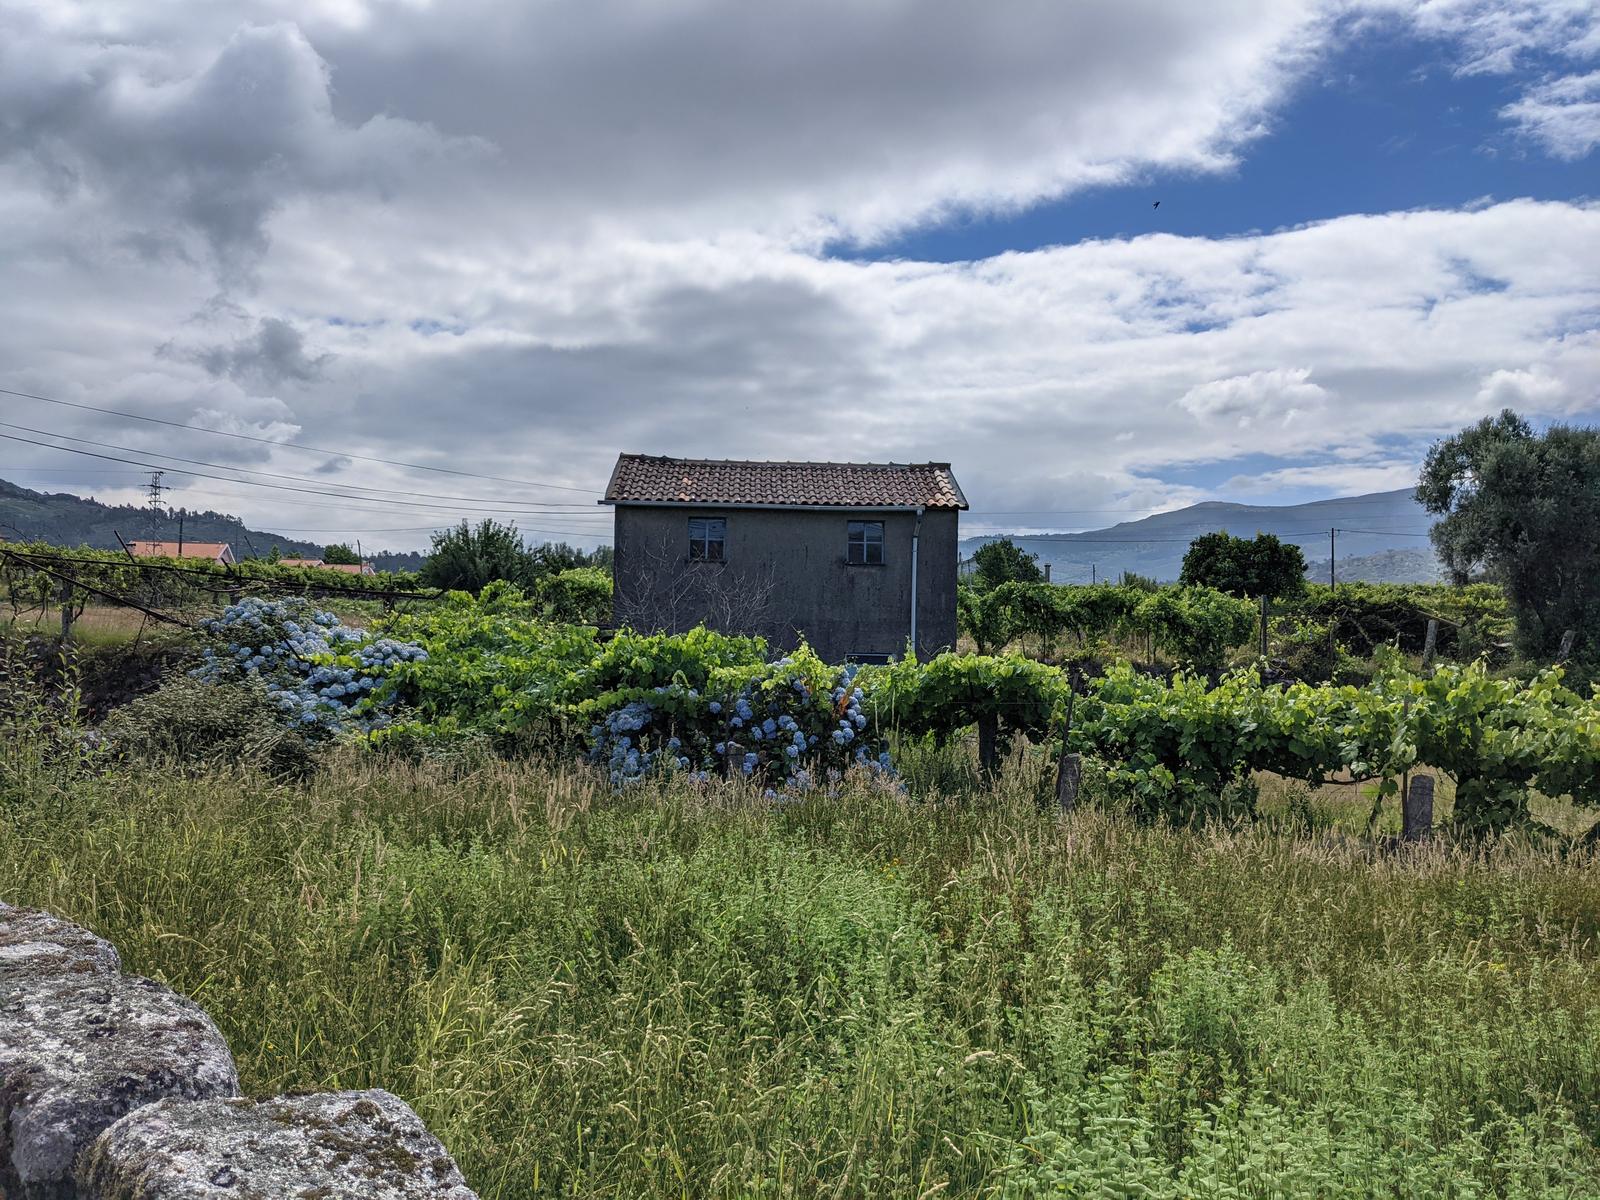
<point>171,549</point>
<point>650,479</point>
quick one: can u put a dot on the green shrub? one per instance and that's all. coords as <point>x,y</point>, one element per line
<point>579,596</point>
<point>46,748</point>
<point>1309,651</point>
<point>196,725</point>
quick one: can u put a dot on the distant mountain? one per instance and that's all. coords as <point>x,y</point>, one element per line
<point>66,520</point>
<point>1410,565</point>
<point>1154,546</point>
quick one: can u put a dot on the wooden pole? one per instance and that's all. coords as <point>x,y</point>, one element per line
<point>1430,642</point>
<point>1564,651</point>
<point>988,744</point>
<point>64,594</point>
<point>1069,771</point>
<point>1418,809</point>
<point>1263,626</point>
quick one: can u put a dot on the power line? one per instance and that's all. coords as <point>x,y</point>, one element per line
<point>449,515</point>
<point>586,533</point>
<point>389,462</point>
<point>274,486</point>
<point>1386,532</point>
<point>450,520</point>
<point>67,437</point>
<point>1166,512</point>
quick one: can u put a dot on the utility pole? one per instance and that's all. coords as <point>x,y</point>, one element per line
<point>180,534</point>
<point>1092,576</point>
<point>153,490</point>
<point>1333,578</point>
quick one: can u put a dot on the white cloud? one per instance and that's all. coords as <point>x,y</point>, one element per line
<point>521,238</point>
<point>832,118</point>
<point>1281,393</point>
<point>1494,36</point>
<point>1563,115</point>
<point>1535,388</point>
<point>1560,111</point>
<point>1335,479</point>
<point>1029,371</point>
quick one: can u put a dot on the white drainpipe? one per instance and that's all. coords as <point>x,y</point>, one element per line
<point>916,533</point>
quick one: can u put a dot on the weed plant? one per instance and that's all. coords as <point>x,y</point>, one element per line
<point>679,991</point>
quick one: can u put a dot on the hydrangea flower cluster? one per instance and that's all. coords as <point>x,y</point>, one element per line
<point>322,676</point>
<point>774,730</point>
<point>631,744</point>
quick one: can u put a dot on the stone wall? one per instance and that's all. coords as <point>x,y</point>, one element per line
<point>114,1087</point>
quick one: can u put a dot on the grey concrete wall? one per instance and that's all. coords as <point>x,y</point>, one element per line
<point>786,577</point>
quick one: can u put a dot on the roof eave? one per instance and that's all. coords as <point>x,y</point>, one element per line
<point>747,504</point>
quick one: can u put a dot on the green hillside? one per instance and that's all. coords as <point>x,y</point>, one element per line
<point>67,520</point>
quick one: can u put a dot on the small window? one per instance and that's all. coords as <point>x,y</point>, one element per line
<point>868,659</point>
<point>865,543</point>
<point>708,538</point>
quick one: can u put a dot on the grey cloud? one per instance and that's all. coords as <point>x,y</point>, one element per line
<point>712,371</point>
<point>858,115</point>
<point>798,120</point>
<point>217,148</point>
<point>274,355</point>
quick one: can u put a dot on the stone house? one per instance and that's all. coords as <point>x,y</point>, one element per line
<point>859,559</point>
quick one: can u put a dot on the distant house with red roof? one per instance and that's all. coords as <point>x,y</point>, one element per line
<point>365,568</point>
<point>218,552</point>
<point>857,558</point>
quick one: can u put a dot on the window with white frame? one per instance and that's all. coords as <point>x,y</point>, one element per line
<point>864,543</point>
<point>708,539</point>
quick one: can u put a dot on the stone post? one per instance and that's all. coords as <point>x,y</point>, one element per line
<point>1069,775</point>
<point>1418,808</point>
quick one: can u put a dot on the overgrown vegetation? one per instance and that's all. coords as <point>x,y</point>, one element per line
<point>683,990</point>
<point>647,915</point>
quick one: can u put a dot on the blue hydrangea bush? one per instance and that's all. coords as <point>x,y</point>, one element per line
<point>321,676</point>
<point>787,726</point>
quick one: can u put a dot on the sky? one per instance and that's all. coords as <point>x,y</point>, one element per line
<point>373,266</point>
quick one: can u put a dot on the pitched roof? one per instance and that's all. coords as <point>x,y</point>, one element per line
<point>171,549</point>
<point>362,568</point>
<point>651,479</point>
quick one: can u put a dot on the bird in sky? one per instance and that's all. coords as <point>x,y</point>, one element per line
<point>1157,204</point>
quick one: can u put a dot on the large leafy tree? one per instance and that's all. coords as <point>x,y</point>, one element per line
<point>339,554</point>
<point>1524,508</point>
<point>1247,567</point>
<point>1003,561</point>
<point>467,558</point>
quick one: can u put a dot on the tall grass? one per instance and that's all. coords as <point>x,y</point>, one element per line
<point>684,993</point>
